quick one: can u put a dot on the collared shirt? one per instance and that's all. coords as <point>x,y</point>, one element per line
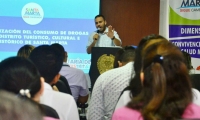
<point>104,40</point>
<point>107,90</point>
<point>76,79</point>
<point>64,104</point>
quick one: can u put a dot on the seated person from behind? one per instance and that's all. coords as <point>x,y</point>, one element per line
<point>20,76</point>
<point>49,62</point>
<point>166,88</point>
<point>12,108</point>
<point>134,87</point>
<point>75,77</point>
<point>109,86</point>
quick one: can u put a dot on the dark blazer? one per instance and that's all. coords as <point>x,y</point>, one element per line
<point>63,85</point>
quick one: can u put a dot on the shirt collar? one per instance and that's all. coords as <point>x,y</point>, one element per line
<point>65,64</point>
<point>47,86</point>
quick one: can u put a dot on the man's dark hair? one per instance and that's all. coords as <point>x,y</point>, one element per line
<point>100,16</point>
<point>128,55</point>
<point>47,60</point>
<point>59,49</point>
<point>123,56</point>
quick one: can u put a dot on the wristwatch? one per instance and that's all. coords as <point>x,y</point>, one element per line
<point>113,38</point>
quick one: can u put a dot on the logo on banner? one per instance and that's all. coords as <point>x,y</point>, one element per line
<point>32,13</point>
<point>186,8</point>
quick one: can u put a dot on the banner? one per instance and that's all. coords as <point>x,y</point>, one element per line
<point>183,27</point>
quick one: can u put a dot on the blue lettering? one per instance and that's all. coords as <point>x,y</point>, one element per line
<point>197,2</point>
<point>188,3</point>
<point>192,3</point>
<point>184,4</point>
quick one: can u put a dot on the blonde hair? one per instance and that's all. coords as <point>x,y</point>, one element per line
<point>25,51</point>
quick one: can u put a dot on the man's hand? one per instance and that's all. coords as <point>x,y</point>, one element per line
<point>96,37</point>
<point>110,32</point>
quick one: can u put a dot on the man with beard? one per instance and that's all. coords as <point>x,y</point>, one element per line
<point>103,36</point>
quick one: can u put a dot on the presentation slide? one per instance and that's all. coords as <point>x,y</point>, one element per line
<point>67,22</point>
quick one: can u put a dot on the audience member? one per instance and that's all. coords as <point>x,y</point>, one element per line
<point>135,84</point>
<point>49,62</point>
<point>109,86</point>
<point>12,108</point>
<point>119,54</point>
<point>20,76</point>
<point>75,77</point>
<point>166,91</point>
<point>104,36</point>
<point>62,85</point>
<point>25,51</point>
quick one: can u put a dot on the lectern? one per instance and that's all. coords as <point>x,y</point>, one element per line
<point>102,60</point>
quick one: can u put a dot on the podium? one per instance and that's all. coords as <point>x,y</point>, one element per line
<point>102,60</point>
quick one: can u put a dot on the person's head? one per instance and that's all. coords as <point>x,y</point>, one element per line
<point>127,56</point>
<point>12,108</point>
<point>187,60</point>
<point>153,37</point>
<point>135,84</point>
<point>18,73</point>
<point>165,80</point>
<point>25,51</point>
<point>59,48</point>
<point>100,23</point>
<point>124,55</point>
<point>48,61</point>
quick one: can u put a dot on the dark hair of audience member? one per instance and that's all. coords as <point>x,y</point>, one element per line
<point>18,73</point>
<point>166,90</point>
<point>25,51</point>
<point>119,55</point>
<point>12,108</point>
<point>48,61</point>
<point>135,83</point>
<point>128,55</point>
<point>187,60</point>
<point>59,48</point>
